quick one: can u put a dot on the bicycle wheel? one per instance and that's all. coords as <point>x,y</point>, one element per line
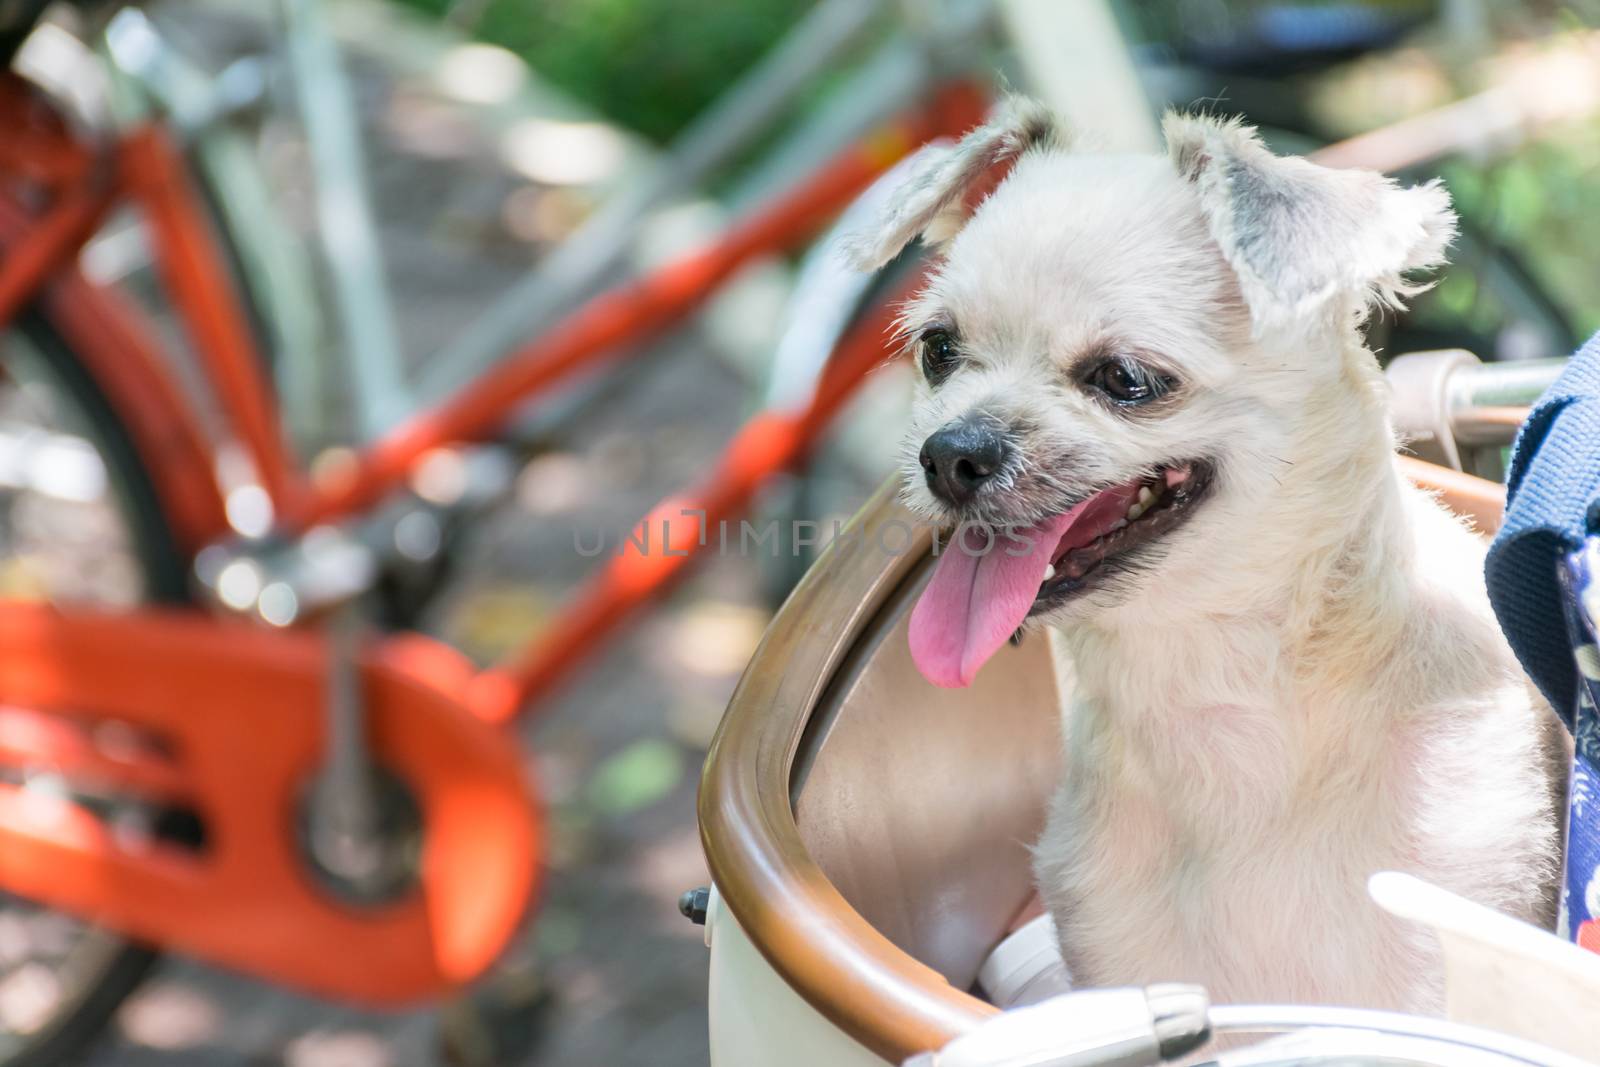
<point>79,524</point>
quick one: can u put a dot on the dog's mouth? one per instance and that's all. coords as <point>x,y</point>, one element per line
<point>986,585</point>
<point>1116,524</point>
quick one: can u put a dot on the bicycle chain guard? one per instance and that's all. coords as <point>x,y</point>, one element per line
<point>226,720</point>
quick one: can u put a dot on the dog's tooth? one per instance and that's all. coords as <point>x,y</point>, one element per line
<point>1135,509</point>
<point>1146,497</point>
<point>1120,524</point>
<point>1049,571</point>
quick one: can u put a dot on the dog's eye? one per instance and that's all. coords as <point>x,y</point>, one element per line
<point>939,355</point>
<point>1127,382</point>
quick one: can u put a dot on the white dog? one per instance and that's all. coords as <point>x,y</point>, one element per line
<point>1147,373</point>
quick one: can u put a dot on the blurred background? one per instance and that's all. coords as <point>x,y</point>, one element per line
<point>496,136</point>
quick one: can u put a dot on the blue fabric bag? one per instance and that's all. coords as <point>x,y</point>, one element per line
<point>1543,574</point>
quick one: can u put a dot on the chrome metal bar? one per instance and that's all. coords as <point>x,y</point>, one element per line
<point>1126,1027</point>
<point>344,827</point>
<point>284,583</point>
<point>1488,402</point>
<point>344,216</point>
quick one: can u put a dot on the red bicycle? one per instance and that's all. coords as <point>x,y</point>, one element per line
<point>257,781</point>
<point>337,812</point>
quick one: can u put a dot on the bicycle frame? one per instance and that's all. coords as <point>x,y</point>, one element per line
<point>143,167</point>
<point>431,718</point>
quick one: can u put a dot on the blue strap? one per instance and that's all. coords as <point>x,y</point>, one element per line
<point>1580,883</point>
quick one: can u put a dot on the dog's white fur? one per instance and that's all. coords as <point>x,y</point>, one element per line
<point>1305,684</point>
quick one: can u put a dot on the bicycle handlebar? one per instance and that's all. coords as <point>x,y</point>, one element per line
<point>1450,409</point>
<point>1145,1027</point>
<point>1487,402</point>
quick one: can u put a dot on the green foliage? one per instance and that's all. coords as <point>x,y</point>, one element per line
<point>1540,201</point>
<point>651,65</point>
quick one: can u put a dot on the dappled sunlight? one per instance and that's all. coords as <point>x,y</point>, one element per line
<point>28,996</point>
<point>1559,78</point>
<point>171,1016</point>
<point>339,1048</point>
<point>492,620</point>
<point>432,128</point>
<point>545,214</point>
<point>554,483</point>
<point>57,465</point>
<point>480,74</point>
<point>67,538</point>
<point>715,638</point>
<point>249,510</point>
<point>564,153</point>
<point>693,718</point>
<point>440,476</point>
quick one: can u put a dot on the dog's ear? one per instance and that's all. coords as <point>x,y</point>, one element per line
<point>1298,234</point>
<point>931,200</point>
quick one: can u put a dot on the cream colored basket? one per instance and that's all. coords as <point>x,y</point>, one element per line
<point>862,871</point>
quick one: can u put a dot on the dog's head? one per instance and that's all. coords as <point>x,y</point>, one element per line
<point>1121,357</point>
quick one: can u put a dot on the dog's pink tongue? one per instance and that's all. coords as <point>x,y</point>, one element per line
<point>976,599</point>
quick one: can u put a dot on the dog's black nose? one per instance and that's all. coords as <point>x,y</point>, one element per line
<point>959,458</point>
